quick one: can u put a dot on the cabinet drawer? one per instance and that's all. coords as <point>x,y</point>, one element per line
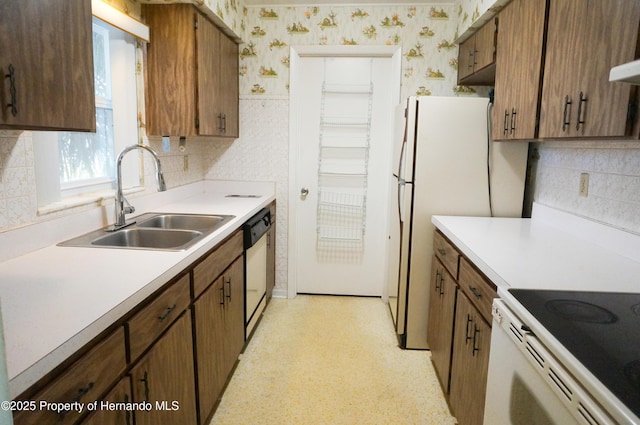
<point>208,270</point>
<point>446,253</point>
<point>153,319</point>
<point>84,381</point>
<point>480,291</point>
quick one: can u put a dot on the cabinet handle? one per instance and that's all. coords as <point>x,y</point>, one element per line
<point>438,281</point>
<point>476,331</point>
<point>224,123</point>
<point>566,112</point>
<point>228,283</point>
<point>145,380</point>
<point>220,122</point>
<point>583,100</point>
<point>442,251</point>
<point>466,334</point>
<point>513,120</point>
<point>506,119</point>
<point>12,90</point>
<point>441,293</point>
<point>475,292</point>
<point>81,393</point>
<point>166,313</point>
<point>472,59</point>
<point>222,295</point>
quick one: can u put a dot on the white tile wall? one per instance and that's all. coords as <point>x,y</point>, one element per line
<point>614,180</point>
<point>261,153</point>
<point>18,203</point>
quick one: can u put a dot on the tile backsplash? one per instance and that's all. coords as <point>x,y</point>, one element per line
<point>614,180</point>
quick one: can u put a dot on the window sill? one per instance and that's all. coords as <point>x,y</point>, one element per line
<point>93,198</point>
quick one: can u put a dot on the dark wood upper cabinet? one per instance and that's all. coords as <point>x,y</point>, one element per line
<point>518,70</point>
<point>191,73</point>
<point>477,55</point>
<point>46,65</point>
<point>584,41</point>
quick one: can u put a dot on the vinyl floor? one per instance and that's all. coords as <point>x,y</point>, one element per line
<point>331,360</point>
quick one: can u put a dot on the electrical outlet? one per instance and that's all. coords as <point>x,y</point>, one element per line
<point>584,184</point>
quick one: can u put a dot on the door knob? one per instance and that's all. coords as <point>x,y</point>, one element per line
<point>304,192</point>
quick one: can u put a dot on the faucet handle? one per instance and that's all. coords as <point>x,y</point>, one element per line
<point>127,207</point>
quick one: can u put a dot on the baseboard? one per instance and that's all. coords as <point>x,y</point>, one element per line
<point>279,293</point>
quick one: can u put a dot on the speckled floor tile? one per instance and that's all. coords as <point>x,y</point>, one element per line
<point>331,360</point>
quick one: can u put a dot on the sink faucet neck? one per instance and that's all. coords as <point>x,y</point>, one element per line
<point>122,207</point>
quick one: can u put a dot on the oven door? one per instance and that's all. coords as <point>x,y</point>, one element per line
<point>526,384</point>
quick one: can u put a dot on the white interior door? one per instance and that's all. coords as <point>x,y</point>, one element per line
<point>342,117</point>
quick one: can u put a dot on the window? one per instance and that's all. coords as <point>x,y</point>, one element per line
<point>77,167</point>
<point>87,159</point>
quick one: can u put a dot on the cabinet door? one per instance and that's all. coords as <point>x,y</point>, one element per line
<point>120,394</point>
<point>611,37</point>
<point>165,376</point>
<point>210,340</point>
<point>485,48</point>
<point>518,70</point>
<point>585,39</point>
<point>441,315</point>
<point>218,81</point>
<point>46,65</point>
<point>465,58</point>
<point>170,66</point>
<point>210,81</point>
<point>470,363</point>
<point>229,70</point>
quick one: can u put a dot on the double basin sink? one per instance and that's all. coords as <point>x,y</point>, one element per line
<point>154,231</point>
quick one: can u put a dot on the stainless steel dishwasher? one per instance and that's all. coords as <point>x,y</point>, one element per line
<point>255,267</point>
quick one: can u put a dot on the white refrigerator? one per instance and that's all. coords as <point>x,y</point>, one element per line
<point>443,161</point>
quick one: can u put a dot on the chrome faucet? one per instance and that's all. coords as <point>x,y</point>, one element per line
<point>122,205</point>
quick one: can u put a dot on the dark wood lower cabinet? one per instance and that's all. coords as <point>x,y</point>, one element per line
<point>219,324</point>
<point>459,330</point>
<point>442,304</point>
<point>470,363</point>
<point>165,378</point>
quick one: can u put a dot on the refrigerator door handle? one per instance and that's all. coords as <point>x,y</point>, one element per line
<point>401,180</point>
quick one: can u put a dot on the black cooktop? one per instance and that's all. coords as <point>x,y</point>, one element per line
<point>601,329</point>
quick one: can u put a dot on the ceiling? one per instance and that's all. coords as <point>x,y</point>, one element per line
<point>336,2</point>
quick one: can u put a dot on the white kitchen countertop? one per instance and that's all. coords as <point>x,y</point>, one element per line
<point>553,250</point>
<point>56,299</point>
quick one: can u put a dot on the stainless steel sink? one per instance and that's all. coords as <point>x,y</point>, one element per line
<point>147,238</point>
<point>185,221</point>
<point>154,231</point>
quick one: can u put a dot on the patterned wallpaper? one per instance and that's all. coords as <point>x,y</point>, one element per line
<point>426,34</point>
